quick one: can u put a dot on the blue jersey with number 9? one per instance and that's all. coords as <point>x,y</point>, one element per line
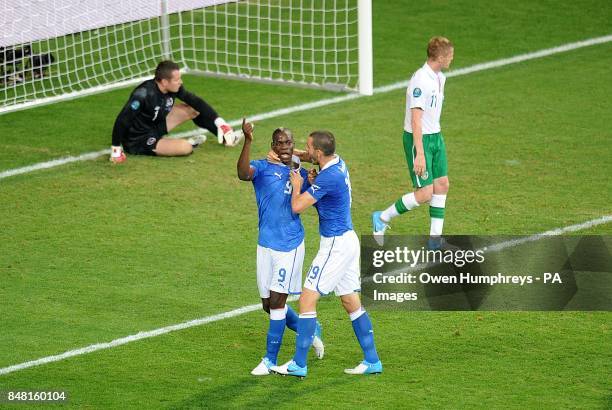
<point>279,228</point>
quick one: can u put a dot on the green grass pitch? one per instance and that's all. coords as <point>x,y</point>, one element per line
<point>91,252</point>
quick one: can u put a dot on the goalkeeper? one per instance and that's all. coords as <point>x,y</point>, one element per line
<point>151,112</point>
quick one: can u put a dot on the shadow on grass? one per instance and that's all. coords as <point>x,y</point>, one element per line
<point>263,392</point>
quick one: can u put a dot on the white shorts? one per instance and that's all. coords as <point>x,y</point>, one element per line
<point>336,266</point>
<point>278,271</point>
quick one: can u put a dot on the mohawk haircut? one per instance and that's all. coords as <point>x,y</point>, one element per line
<point>279,131</point>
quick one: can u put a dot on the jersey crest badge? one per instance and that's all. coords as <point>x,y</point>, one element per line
<point>416,93</point>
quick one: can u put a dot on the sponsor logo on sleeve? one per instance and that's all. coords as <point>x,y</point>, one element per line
<point>416,93</point>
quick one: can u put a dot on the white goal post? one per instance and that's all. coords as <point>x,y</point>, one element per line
<point>52,51</point>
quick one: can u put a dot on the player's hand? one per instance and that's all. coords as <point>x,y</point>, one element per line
<point>312,174</point>
<point>247,130</point>
<point>296,180</point>
<point>117,155</point>
<point>302,155</point>
<point>273,156</point>
<point>419,164</point>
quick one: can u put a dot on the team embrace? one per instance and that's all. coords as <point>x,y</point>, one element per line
<point>283,190</point>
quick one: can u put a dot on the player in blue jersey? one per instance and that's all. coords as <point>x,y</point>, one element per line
<point>280,246</point>
<point>336,266</point>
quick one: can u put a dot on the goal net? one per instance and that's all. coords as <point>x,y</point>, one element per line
<point>54,50</point>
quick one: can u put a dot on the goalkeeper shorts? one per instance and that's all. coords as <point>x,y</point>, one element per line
<point>145,144</point>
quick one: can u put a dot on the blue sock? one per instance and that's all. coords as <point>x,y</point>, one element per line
<point>365,335</point>
<point>292,319</point>
<point>275,334</point>
<point>305,333</point>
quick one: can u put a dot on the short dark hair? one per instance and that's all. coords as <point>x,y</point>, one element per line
<point>279,131</point>
<point>165,69</point>
<point>324,141</point>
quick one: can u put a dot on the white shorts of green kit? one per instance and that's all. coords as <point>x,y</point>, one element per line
<point>336,266</point>
<point>278,271</point>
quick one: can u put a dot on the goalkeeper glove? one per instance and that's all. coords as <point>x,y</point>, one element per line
<point>117,155</point>
<point>226,135</point>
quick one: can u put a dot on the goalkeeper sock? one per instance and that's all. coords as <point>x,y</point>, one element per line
<point>206,122</point>
<point>365,335</point>
<point>207,116</point>
<point>305,334</point>
<point>402,205</point>
<point>436,212</point>
<point>275,333</point>
<point>291,317</point>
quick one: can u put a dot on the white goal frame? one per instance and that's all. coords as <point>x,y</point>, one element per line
<point>365,59</point>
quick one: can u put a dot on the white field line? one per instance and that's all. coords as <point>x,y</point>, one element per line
<point>129,339</point>
<point>513,242</point>
<point>53,163</point>
<point>553,232</point>
<point>328,101</point>
<point>251,308</point>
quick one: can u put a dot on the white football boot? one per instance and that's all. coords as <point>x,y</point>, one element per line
<point>263,368</point>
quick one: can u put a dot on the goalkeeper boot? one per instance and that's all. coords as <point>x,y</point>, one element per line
<point>263,368</point>
<point>366,368</point>
<point>197,140</point>
<point>317,342</point>
<point>379,227</point>
<point>290,369</point>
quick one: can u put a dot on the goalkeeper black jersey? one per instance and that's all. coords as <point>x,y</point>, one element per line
<point>146,110</point>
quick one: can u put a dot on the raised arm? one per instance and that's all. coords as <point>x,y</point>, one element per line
<point>245,172</point>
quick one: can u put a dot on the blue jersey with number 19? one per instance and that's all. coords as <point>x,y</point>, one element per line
<point>279,228</point>
<point>332,190</point>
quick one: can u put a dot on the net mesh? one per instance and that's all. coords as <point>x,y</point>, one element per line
<point>56,48</point>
